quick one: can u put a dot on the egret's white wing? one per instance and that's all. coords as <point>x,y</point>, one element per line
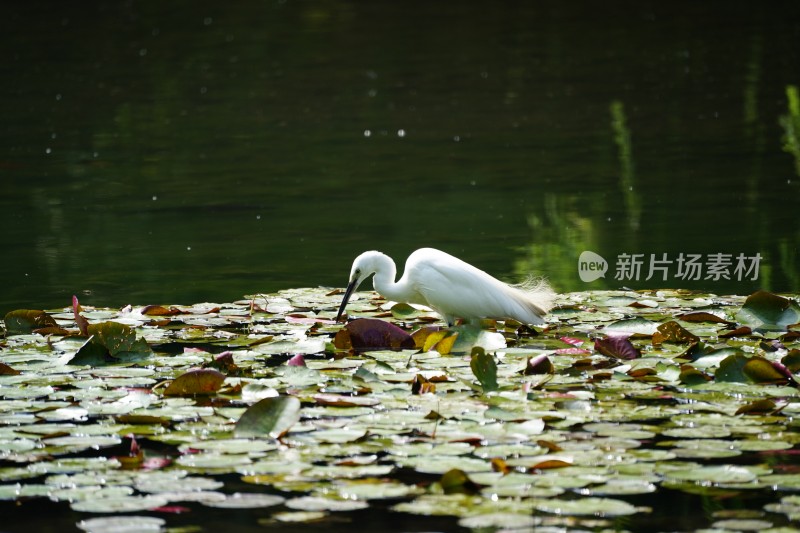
<point>455,288</point>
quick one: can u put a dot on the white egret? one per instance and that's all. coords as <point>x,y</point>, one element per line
<point>451,287</point>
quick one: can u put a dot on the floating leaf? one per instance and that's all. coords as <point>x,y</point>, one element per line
<point>158,310</point>
<point>195,383</point>
<point>120,504</point>
<point>758,407</point>
<point>484,368</point>
<point>703,316</point>
<point>111,342</point>
<point>239,500</point>
<point>374,334</point>
<point>691,376</point>
<point>617,347</point>
<point>456,481</point>
<point>634,326</point>
<point>26,320</point>
<point>122,524</point>
<point>673,332</point>
<point>743,369</point>
<point>319,503</point>
<point>600,507</point>
<point>421,385</point>
<point>6,370</point>
<point>792,360</point>
<point>540,364</point>
<point>404,311</point>
<point>270,416</point>
<point>80,320</point>
<point>764,311</point>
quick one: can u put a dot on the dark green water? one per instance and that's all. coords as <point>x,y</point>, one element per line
<point>173,152</point>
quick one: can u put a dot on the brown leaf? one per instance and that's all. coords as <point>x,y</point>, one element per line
<point>673,332</point>
<point>80,320</point>
<point>703,316</point>
<point>758,407</point>
<point>550,464</point>
<point>6,370</point>
<point>550,445</point>
<point>158,310</point>
<point>499,465</point>
<point>420,385</point>
<point>738,332</point>
<point>196,382</point>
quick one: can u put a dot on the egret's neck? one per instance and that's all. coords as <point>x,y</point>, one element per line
<point>384,281</point>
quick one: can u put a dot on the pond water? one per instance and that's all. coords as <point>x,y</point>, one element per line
<point>172,153</point>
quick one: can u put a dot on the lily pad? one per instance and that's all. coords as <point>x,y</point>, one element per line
<point>484,368</point>
<point>27,320</point>
<point>111,342</point>
<point>122,524</point>
<point>271,416</point>
<point>600,507</point>
<point>765,311</point>
<point>196,382</point>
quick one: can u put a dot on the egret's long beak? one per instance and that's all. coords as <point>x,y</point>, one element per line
<point>351,287</point>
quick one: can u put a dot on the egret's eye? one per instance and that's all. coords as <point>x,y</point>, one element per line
<point>358,272</point>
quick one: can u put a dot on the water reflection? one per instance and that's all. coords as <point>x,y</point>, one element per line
<point>157,158</point>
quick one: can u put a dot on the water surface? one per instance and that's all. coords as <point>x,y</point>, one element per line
<point>182,152</point>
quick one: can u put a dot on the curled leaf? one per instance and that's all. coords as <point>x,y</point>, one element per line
<point>80,320</point>
<point>540,364</point>
<point>617,347</point>
<point>484,368</point>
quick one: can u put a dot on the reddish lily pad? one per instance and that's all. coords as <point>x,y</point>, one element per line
<point>617,347</point>
<point>374,334</point>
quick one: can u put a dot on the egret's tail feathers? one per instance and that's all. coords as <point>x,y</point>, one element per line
<point>539,296</point>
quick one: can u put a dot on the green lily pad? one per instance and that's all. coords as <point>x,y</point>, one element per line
<point>122,524</point>
<point>270,416</point>
<point>318,503</point>
<point>111,342</point>
<point>26,320</point>
<point>239,500</point>
<point>764,311</point>
<point>119,504</point>
<point>600,507</point>
<point>484,368</point>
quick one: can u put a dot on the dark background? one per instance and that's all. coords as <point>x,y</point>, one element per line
<point>174,152</point>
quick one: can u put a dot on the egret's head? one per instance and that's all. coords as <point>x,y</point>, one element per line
<point>364,266</point>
